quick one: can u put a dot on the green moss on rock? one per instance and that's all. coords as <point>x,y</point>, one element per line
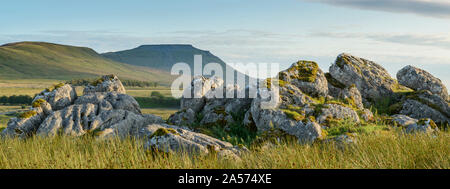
<point>27,114</point>
<point>425,120</point>
<point>38,103</point>
<point>163,132</point>
<point>305,71</point>
<point>54,87</point>
<point>293,114</point>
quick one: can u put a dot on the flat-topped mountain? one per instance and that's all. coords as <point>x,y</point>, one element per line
<point>40,60</point>
<point>162,56</point>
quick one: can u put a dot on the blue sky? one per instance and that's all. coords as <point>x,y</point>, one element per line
<point>394,33</point>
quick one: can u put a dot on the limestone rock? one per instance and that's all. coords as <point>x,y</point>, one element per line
<point>403,120</point>
<point>337,111</point>
<point>121,123</point>
<point>423,125</point>
<point>194,96</point>
<point>424,104</point>
<point>111,100</point>
<point>220,111</point>
<point>107,83</point>
<point>26,124</point>
<point>73,121</point>
<point>372,80</point>
<point>168,138</point>
<point>182,117</point>
<point>419,79</point>
<point>307,76</point>
<point>367,115</point>
<point>58,96</point>
<point>283,119</point>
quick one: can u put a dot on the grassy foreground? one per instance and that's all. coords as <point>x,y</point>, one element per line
<point>387,150</point>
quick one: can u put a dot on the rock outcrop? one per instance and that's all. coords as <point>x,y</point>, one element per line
<point>411,125</point>
<point>372,80</point>
<point>419,79</point>
<point>58,96</point>
<point>169,138</point>
<point>104,110</point>
<point>288,115</point>
<point>337,111</point>
<point>214,109</point>
<point>307,76</point>
<point>107,83</point>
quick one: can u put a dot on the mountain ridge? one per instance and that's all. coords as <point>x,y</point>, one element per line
<point>163,56</point>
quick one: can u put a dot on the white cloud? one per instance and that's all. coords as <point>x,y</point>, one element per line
<point>433,8</point>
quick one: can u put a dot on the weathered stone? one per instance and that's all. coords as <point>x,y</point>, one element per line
<point>194,96</point>
<point>423,125</point>
<point>307,76</point>
<point>73,121</point>
<point>266,119</point>
<point>419,110</point>
<point>419,79</point>
<point>403,120</point>
<point>372,80</point>
<point>220,111</point>
<point>424,104</point>
<point>121,123</point>
<point>182,117</point>
<point>337,111</point>
<point>58,96</point>
<point>367,115</point>
<point>168,138</point>
<point>111,100</point>
<point>26,124</point>
<point>107,83</point>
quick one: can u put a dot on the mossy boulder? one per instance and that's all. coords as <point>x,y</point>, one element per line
<point>169,139</point>
<point>59,97</point>
<point>425,125</point>
<point>307,76</point>
<point>372,80</point>
<point>107,83</point>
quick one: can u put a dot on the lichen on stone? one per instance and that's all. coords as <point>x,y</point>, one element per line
<point>27,114</point>
<point>424,122</point>
<point>54,87</point>
<point>293,114</point>
<point>102,79</point>
<point>268,82</point>
<point>38,103</point>
<point>163,132</point>
<point>305,71</point>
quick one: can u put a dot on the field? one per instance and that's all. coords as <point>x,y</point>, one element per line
<point>382,151</point>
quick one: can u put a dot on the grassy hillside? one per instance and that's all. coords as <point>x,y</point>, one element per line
<point>39,60</point>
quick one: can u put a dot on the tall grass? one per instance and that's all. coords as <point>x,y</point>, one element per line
<point>388,150</point>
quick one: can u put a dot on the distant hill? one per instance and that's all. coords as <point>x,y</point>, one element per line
<point>162,56</point>
<point>39,60</point>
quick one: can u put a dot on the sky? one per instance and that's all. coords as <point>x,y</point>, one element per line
<point>393,33</point>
